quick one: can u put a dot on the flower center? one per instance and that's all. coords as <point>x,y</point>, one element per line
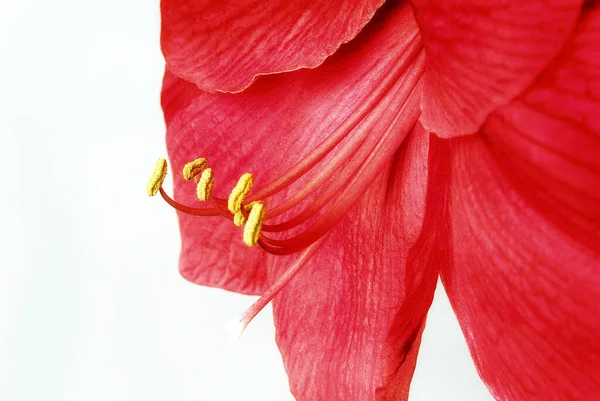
<point>337,184</point>
<point>340,168</point>
<point>357,149</point>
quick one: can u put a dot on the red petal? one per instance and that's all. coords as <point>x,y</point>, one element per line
<point>525,214</point>
<point>526,295</point>
<point>273,125</point>
<point>548,140</point>
<point>176,95</point>
<point>480,55</point>
<point>349,325</point>
<point>223,46</point>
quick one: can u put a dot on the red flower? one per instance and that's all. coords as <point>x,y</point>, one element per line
<point>457,138</point>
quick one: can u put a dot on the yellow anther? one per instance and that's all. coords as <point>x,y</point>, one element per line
<point>205,185</point>
<point>234,203</point>
<point>249,206</point>
<point>157,178</point>
<point>254,223</point>
<point>192,169</point>
<point>239,219</point>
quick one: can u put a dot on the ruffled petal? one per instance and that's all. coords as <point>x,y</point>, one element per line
<point>481,55</point>
<point>223,47</point>
<point>526,295</point>
<point>349,324</point>
<point>276,123</point>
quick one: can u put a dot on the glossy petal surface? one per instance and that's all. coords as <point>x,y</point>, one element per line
<point>349,325</point>
<point>481,55</point>
<point>276,123</point>
<point>525,282</point>
<point>223,46</point>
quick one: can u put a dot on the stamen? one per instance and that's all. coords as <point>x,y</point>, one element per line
<point>205,185</point>
<point>157,178</point>
<point>193,211</point>
<point>254,224</point>
<point>238,194</point>
<point>348,160</point>
<point>192,169</point>
<point>239,219</point>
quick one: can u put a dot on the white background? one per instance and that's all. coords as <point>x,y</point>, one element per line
<point>91,304</point>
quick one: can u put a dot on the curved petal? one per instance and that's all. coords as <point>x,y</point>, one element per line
<point>548,140</point>
<point>349,324</point>
<point>276,123</point>
<point>526,278</point>
<point>526,295</point>
<point>176,95</point>
<point>481,55</point>
<point>223,47</point>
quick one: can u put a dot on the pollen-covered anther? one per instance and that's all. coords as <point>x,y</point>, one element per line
<point>192,169</point>
<point>205,185</point>
<point>239,192</point>
<point>157,178</point>
<point>239,219</point>
<point>254,223</point>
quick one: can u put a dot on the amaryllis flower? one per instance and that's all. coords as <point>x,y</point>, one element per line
<point>389,145</point>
